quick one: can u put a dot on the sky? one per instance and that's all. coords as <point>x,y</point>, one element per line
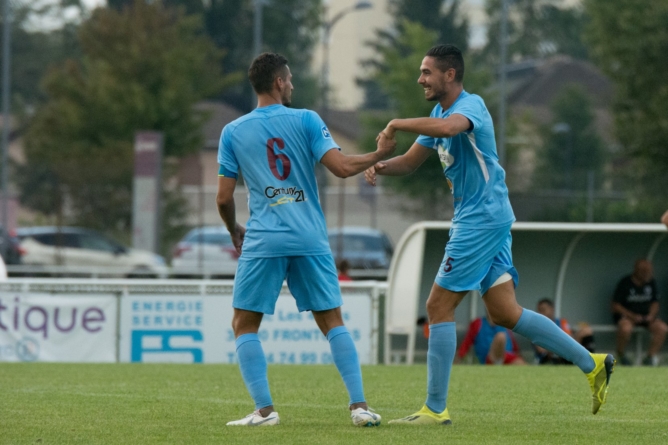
<point>49,23</point>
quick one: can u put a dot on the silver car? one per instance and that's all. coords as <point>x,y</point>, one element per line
<point>368,251</point>
<point>205,251</point>
<point>79,249</point>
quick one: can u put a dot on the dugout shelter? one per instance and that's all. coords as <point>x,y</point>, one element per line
<point>577,265</point>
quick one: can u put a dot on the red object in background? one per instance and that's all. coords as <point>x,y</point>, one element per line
<point>232,251</point>
<point>179,249</point>
<point>344,277</point>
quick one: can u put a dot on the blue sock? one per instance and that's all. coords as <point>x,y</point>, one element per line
<point>345,358</point>
<point>440,355</point>
<point>546,334</point>
<point>253,366</point>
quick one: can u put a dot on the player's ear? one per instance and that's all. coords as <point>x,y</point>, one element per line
<point>279,84</point>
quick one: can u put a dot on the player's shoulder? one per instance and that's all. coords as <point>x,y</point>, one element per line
<point>305,116</point>
<point>230,127</point>
<point>470,98</point>
<point>305,113</point>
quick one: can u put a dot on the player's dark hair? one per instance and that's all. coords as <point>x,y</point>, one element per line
<point>265,68</point>
<point>546,301</point>
<point>448,56</point>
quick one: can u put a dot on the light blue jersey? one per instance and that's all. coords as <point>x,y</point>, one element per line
<point>276,149</point>
<point>471,167</point>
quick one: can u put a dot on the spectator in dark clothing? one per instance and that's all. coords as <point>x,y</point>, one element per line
<point>636,303</point>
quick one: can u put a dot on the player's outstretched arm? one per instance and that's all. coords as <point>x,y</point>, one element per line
<point>664,218</point>
<point>430,126</point>
<point>344,166</point>
<point>227,210</point>
<point>399,165</point>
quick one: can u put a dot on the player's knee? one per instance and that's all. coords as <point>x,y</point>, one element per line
<point>235,325</point>
<point>438,309</point>
<point>504,320</point>
<point>507,319</point>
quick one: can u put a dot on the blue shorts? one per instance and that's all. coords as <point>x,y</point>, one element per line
<point>476,258</point>
<point>312,280</point>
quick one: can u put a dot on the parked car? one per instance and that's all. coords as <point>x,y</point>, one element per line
<point>84,248</point>
<point>10,247</point>
<point>364,248</point>
<point>205,251</point>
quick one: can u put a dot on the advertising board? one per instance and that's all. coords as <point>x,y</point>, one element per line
<point>198,329</point>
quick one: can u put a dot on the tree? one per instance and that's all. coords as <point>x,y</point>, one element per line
<point>443,18</point>
<point>426,188</point>
<point>290,27</point>
<point>572,147</point>
<point>630,45</point>
<point>535,29</point>
<point>143,69</point>
<point>34,51</point>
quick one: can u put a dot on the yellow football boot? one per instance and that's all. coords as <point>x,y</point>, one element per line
<point>599,379</point>
<point>425,417</point>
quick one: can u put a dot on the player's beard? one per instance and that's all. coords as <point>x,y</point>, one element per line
<point>286,99</point>
<point>436,95</point>
<point>438,92</point>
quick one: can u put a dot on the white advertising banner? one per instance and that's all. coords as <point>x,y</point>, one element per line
<point>57,328</point>
<point>197,329</point>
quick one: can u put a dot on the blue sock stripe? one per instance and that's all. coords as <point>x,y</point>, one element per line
<point>546,334</point>
<point>336,331</point>
<point>245,338</point>
<point>444,325</point>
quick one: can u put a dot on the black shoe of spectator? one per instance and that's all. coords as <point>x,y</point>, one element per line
<point>624,360</point>
<point>650,361</point>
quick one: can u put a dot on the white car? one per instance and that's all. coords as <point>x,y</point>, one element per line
<point>79,249</point>
<point>205,251</point>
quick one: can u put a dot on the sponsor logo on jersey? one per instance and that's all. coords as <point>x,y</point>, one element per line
<point>287,195</point>
<point>325,133</point>
<point>444,155</point>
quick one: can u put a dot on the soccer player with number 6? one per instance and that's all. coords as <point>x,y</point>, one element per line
<point>478,255</point>
<point>276,148</point>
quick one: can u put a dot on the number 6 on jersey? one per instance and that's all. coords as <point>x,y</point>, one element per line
<point>274,157</point>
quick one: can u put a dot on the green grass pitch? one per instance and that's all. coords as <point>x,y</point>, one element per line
<point>189,404</point>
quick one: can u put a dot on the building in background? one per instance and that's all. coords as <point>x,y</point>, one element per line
<point>349,36</point>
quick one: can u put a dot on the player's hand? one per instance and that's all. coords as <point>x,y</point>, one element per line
<point>389,131</point>
<point>637,318</point>
<point>385,145</point>
<point>370,173</point>
<point>238,237</point>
